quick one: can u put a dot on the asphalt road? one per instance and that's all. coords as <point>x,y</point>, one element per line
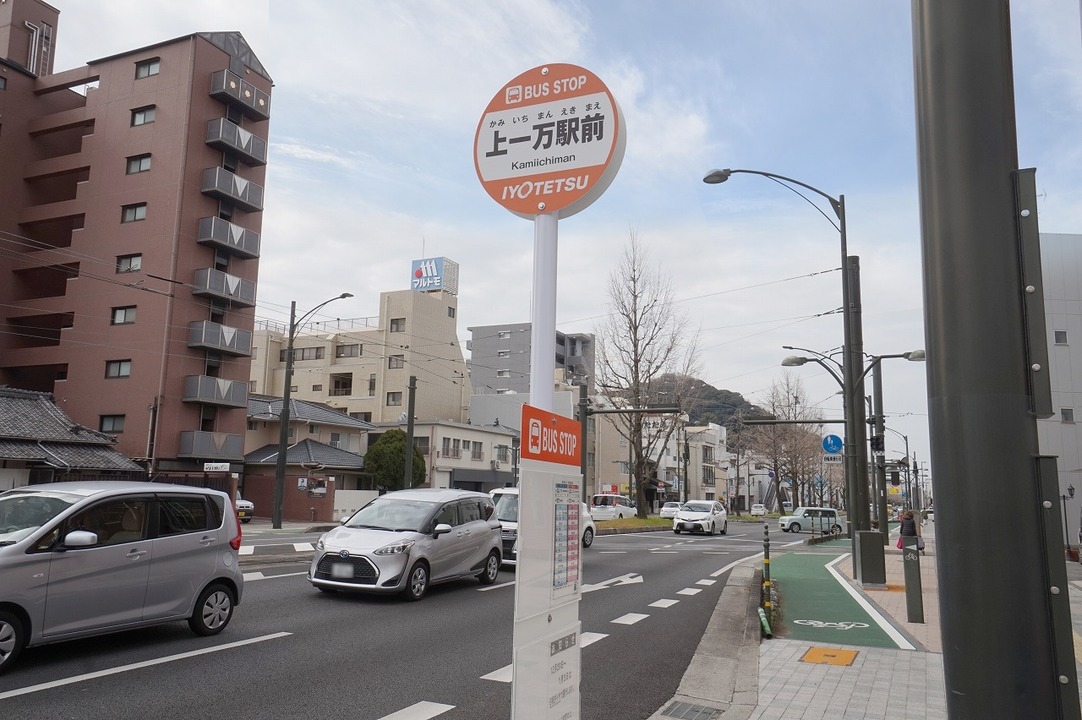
<point>293,652</point>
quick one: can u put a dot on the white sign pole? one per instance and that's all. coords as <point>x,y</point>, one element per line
<point>543,312</point>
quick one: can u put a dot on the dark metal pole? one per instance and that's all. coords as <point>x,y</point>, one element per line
<point>1066,532</point>
<point>996,602</point>
<point>880,460</point>
<point>283,425</point>
<point>407,472</point>
<point>854,364</point>
<point>584,406</point>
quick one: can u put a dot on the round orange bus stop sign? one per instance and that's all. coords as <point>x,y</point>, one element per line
<point>550,141</point>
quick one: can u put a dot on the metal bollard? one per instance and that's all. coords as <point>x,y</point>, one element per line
<point>766,567</point>
<point>914,601</point>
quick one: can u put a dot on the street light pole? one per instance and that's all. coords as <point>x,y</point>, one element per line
<point>283,416</point>
<point>1064,498</point>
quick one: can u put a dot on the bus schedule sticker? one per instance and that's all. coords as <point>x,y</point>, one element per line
<point>550,141</point>
<point>550,437</point>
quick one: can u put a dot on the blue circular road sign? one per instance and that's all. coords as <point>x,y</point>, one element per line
<point>832,444</point>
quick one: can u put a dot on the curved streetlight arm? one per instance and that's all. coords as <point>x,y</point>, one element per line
<point>715,177</point>
<point>911,356</point>
<point>300,322</point>
<point>797,361</point>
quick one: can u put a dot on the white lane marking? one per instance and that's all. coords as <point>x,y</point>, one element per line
<point>708,583</point>
<point>881,621</point>
<point>627,579</point>
<point>589,638</point>
<point>260,576</point>
<point>504,674</point>
<point>689,591</point>
<point>630,618</point>
<point>303,547</point>
<point>137,666</point>
<point>733,564</point>
<point>486,588</point>
<point>612,552</point>
<point>663,603</point>
<point>715,552</point>
<point>246,550</point>
<point>664,552</point>
<point>419,711</point>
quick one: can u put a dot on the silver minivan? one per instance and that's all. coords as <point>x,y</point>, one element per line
<point>88,558</point>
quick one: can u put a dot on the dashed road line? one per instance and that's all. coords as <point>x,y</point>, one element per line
<point>689,591</point>
<point>707,583</point>
<point>504,674</point>
<point>419,711</point>
<point>630,619</point>
<point>663,603</point>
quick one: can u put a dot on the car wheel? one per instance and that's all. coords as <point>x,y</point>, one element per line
<point>725,528</point>
<point>835,529</point>
<point>12,639</point>
<point>588,537</point>
<point>794,527</point>
<point>417,582</point>
<point>246,520</point>
<point>213,610</point>
<point>492,569</point>
<point>676,530</point>
<point>712,529</point>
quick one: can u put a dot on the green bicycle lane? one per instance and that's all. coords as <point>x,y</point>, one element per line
<point>819,605</point>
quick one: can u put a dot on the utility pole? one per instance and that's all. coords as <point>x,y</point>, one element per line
<point>408,469</point>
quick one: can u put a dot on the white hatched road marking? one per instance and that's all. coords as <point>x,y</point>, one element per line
<point>246,550</point>
<point>689,591</point>
<point>630,619</point>
<point>252,576</point>
<point>663,603</point>
<point>708,583</point>
<point>419,711</point>
<point>303,547</point>
<point>504,674</point>
<point>138,666</point>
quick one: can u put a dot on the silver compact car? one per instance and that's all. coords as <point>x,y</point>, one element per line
<point>706,516</point>
<point>404,541</point>
<point>88,558</point>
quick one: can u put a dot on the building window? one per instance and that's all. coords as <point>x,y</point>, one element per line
<point>3,83</point>
<point>138,163</point>
<point>394,398</point>
<point>505,373</point>
<point>477,453</point>
<point>347,351</point>
<point>366,416</point>
<point>309,353</point>
<point>336,440</point>
<point>142,116</point>
<point>129,263</point>
<point>503,354</point>
<point>148,68</point>
<point>421,443</point>
<point>395,362</point>
<point>450,311</point>
<point>1066,415</point>
<point>398,324</point>
<point>253,425</point>
<point>292,388</point>
<point>317,388</point>
<point>1061,337</point>
<point>111,423</point>
<point>133,213</point>
<point>372,385</point>
<point>503,335</point>
<point>503,453</point>
<point>123,315</point>
<point>251,386</point>
<point>341,384</point>
<point>118,369</point>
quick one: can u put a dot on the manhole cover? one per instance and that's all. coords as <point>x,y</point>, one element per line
<point>687,711</point>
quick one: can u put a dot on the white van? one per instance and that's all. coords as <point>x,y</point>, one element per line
<point>611,507</point>
<point>506,500</point>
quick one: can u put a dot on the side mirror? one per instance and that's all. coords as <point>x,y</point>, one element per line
<point>441,529</point>
<point>80,538</point>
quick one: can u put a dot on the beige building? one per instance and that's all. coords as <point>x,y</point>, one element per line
<point>363,365</point>
<point>464,456</point>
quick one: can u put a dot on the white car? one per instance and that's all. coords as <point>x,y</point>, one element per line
<point>245,509</point>
<point>818,520</point>
<point>758,509</point>
<point>668,510</point>
<point>506,500</point>
<point>705,516</point>
<point>611,507</point>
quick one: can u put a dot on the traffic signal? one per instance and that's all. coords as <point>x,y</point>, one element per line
<point>878,443</point>
<point>895,478</point>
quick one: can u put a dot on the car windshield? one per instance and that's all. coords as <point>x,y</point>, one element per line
<point>388,513</point>
<point>697,506</point>
<point>23,512</point>
<point>507,508</point>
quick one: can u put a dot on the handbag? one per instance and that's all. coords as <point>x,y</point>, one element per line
<point>920,543</point>
<point>899,543</point>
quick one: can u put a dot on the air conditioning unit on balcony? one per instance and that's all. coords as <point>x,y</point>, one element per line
<point>495,464</point>
<point>336,443</point>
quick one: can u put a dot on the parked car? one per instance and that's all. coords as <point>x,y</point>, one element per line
<point>506,500</point>
<point>758,509</point>
<point>407,540</point>
<point>707,516</point>
<point>89,558</point>
<point>611,507</point>
<point>816,519</point>
<point>245,509</point>
<point>668,510</point>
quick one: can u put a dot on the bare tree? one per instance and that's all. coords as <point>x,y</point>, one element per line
<point>645,357</point>
<point>790,449</point>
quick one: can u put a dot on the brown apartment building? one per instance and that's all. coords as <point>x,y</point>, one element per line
<point>131,198</point>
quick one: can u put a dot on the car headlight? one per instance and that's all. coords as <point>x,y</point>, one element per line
<point>398,548</point>
<point>320,544</point>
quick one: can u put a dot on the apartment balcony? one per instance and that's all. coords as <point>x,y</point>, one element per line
<point>221,184</point>
<point>198,444</point>
<point>208,335</point>
<point>229,88</point>
<point>215,391</point>
<point>218,233</point>
<point>230,137</point>
<point>211,283</point>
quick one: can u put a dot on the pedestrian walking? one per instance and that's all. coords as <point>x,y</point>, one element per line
<point>910,527</point>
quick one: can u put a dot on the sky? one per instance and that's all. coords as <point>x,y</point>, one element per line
<point>375,110</point>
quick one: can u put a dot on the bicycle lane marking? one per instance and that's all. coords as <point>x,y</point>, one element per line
<point>872,611</point>
<point>810,592</point>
